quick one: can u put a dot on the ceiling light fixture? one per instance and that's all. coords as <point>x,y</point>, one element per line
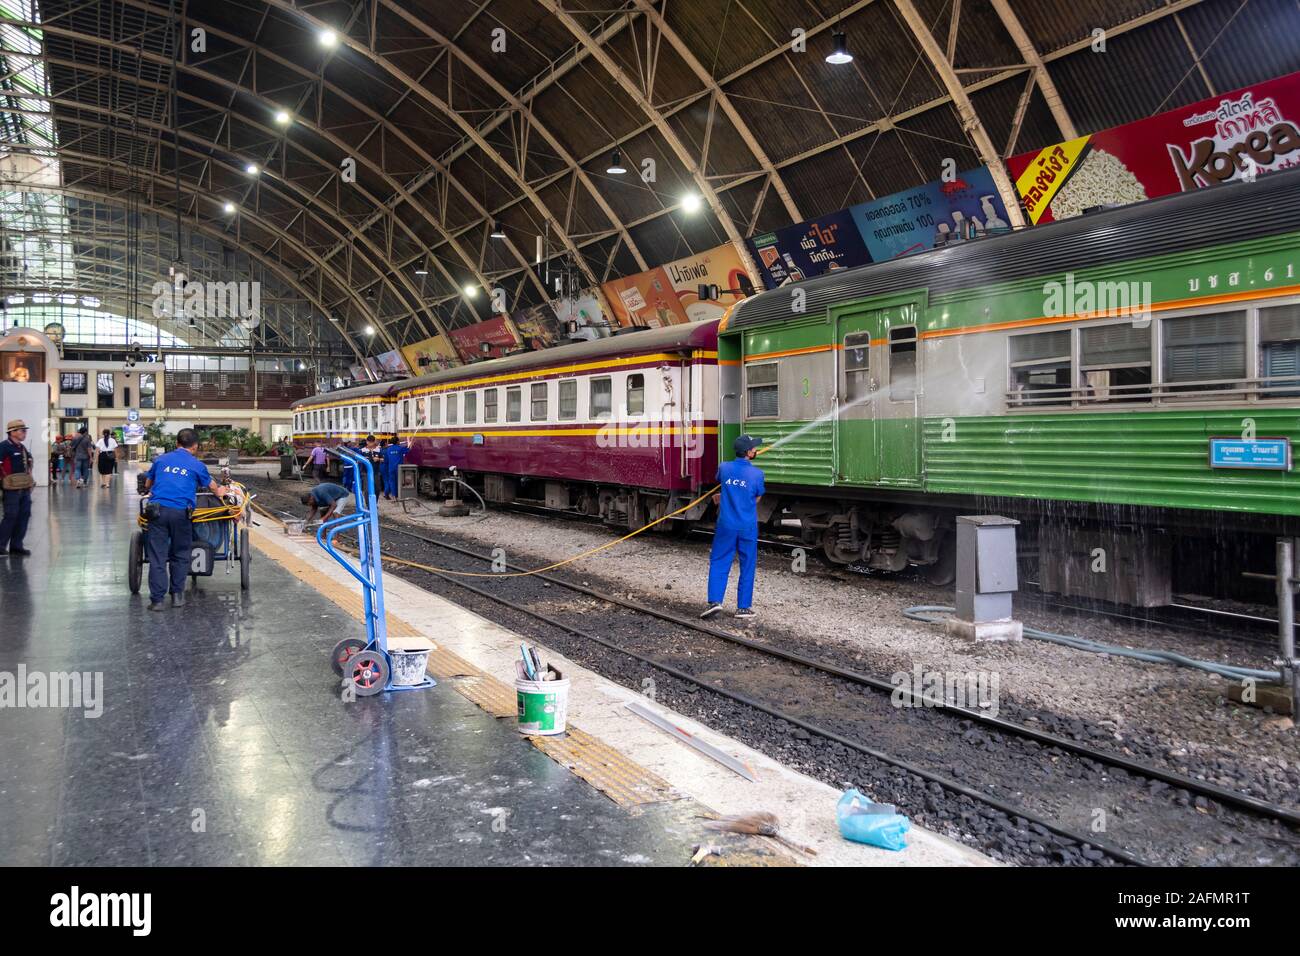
<point>282,117</point>
<point>252,169</point>
<point>471,290</point>
<point>690,203</point>
<point>841,52</point>
<point>370,330</point>
<point>421,271</point>
<point>497,231</point>
<point>616,167</point>
<point>228,208</point>
<point>328,38</point>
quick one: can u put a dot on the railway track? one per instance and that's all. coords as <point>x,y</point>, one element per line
<point>672,646</point>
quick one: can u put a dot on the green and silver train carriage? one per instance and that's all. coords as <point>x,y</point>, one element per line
<point>1126,382</point>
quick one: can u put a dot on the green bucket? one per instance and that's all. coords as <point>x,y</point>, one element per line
<point>543,706</point>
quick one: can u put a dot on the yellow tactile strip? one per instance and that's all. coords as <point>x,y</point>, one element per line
<point>626,783</point>
<point>623,781</point>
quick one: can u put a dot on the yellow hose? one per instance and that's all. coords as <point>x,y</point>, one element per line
<point>524,574</point>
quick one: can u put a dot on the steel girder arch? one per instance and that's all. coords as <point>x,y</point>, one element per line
<point>669,135</point>
<point>515,104</point>
<point>274,135</point>
<point>278,235</point>
<point>724,101</point>
<point>305,205</point>
<point>466,128</point>
<point>970,120</point>
<point>198,225</point>
<point>401,193</point>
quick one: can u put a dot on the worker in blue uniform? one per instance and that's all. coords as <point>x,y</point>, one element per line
<point>17,481</point>
<point>394,455</point>
<point>171,484</point>
<point>741,486</point>
<point>375,453</point>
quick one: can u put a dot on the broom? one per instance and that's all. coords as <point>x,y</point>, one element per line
<point>759,823</point>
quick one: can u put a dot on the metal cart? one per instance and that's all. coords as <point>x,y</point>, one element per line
<point>220,535</point>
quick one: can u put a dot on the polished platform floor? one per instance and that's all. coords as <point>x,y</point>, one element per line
<point>223,739</point>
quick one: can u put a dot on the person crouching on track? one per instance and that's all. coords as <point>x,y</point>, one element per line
<point>737,528</point>
<point>394,455</point>
<point>329,496</point>
<point>171,484</point>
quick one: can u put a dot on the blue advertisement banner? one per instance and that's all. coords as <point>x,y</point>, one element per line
<point>809,249</point>
<point>909,221</point>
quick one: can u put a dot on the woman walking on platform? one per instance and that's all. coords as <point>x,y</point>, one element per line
<point>107,458</point>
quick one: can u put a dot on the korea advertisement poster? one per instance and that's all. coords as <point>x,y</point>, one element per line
<point>1238,135</point>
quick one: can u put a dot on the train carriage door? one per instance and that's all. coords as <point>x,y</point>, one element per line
<point>855,426</point>
<point>879,440</point>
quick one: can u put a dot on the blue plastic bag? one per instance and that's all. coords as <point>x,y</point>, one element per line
<point>872,823</point>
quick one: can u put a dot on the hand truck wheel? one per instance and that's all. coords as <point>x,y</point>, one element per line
<point>344,651</point>
<point>368,671</point>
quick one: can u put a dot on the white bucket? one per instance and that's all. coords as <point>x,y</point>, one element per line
<point>294,525</point>
<point>408,666</point>
<point>543,706</point>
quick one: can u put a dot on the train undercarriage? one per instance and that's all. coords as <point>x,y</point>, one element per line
<point>1134,559</point>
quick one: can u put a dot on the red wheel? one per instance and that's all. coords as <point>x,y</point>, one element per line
<point>368,671</point>
<point>344,650</point>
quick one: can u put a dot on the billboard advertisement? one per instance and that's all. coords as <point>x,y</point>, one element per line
<point>721,266</point>
<point>430,355</point>
<point>538,326</point>
<point>392,363</point>
<point>1232,136</point>
<point>808,249</point>
<point>906,222</point>
<point>585,309</point>
<point>494,331</point>
<point>646,299</point>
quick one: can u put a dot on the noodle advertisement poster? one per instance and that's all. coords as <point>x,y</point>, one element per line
<point>1232,136</point>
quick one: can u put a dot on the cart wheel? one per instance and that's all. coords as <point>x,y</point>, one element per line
<point>344,650</point>
<point>245,559</point>
<point>135,562</point>
<point>368,671</point>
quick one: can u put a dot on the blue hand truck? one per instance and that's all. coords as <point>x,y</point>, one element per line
<point>364,664</point>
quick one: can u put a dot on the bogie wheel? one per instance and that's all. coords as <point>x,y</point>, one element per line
<point>135,562</point>
<point>368,671</point>
<point>344,651</point>
<point>245,560</point>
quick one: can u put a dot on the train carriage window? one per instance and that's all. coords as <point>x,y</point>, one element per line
<point>406,413</point>
<point>1206,351</point>
<point>568,399</point>
<point>331,419</point>
<point>636,394</point>
<point>762,390</point>
<point>514,403</point>
<point>537,401</point>
<point>435,409</point>
<point>1042,371</point>
<point>602,397</point>
<point>902,363</point>
<point>490,405</point>
<point>1279,342</point>
<point>1116,362</point>
<point>857,367</point>
<point>453,406</point>
<point>471,408</point>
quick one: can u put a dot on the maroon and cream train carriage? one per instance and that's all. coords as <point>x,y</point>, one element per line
<point>623,427</point>
<point>349,414</point>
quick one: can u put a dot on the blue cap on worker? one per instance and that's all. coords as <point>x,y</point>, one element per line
<point>744,444</point>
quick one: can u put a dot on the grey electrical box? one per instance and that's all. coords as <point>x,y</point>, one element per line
<point>408,482</point>
<point>986,578</point>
